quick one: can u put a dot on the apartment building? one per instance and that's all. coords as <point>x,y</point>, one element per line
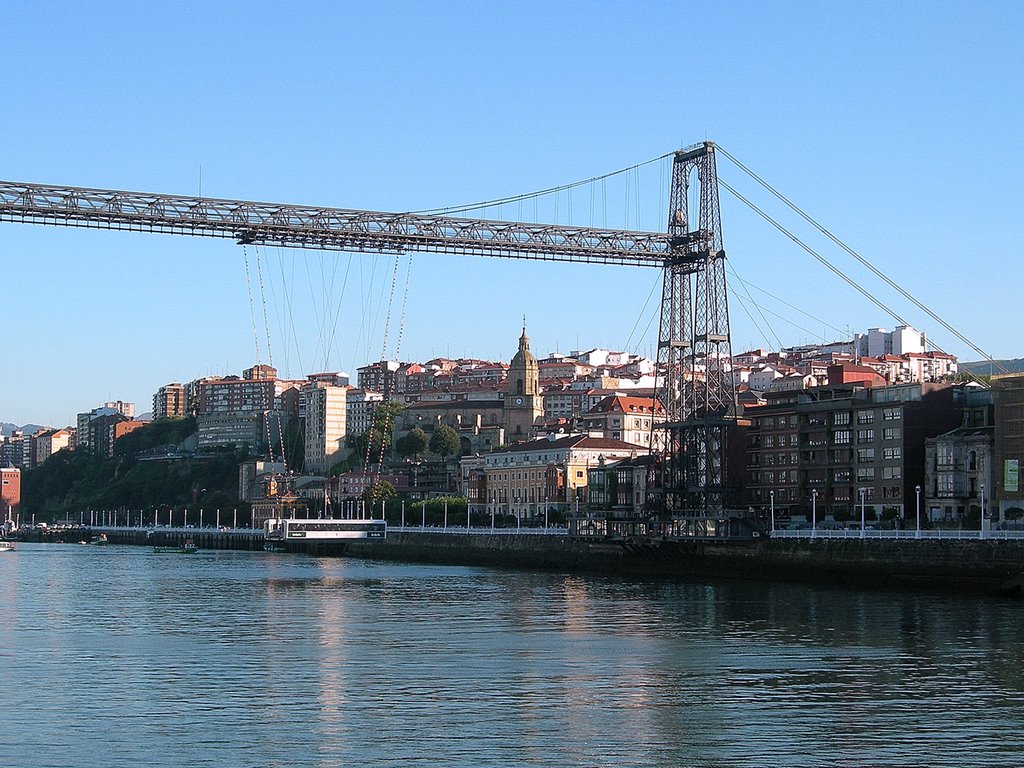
<point>1009,442</point>
<point>845,447</point>
<point>170,402</point>
<point>325,407</point>
<point>527,478</point>
<point>630,419</point>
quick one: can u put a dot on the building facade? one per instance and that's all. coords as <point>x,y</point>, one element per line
<point>170,402</point>
<point>325,407</point>
<point>1009,443</point>
<point>528,478</point>
<point>844,450</point>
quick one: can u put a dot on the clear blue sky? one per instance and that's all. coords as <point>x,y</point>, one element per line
<point>897,125</point>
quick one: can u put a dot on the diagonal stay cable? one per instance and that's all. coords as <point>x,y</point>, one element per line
<point>860,259</point>
<point>835,270</point>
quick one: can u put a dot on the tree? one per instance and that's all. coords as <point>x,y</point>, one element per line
<point>413,443</point>
<point>380,491</point>
<point>379,435</point>
<point>445,441</point>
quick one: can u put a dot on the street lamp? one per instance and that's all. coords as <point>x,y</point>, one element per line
<point>917,491</point>
<point>981,535</point>
<point>863,493</point>
<point>771,495</point>
<point>814,511</point>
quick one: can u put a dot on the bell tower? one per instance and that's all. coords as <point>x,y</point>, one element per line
<point>523,405</point>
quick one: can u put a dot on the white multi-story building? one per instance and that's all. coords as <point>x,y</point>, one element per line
<point>325,416</point>
<point>630,419</point>
<point>360,405</point>
<point>878,342</point>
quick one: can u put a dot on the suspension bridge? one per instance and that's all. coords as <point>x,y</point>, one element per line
<point>696,479</point>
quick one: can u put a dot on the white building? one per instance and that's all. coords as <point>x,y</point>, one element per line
<point>878,342</point>
<point>361,404</point>
<point>325,411</point>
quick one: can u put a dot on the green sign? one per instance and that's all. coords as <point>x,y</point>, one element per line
<point>1011,475</point>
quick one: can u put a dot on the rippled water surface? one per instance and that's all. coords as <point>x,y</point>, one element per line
<point>117,656</point>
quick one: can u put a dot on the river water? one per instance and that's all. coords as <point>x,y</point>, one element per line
<point>118,656</point>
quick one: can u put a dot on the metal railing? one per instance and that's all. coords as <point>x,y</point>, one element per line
<point>461,529</point>
<point>870,533</point>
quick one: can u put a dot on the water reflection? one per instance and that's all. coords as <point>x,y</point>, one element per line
<point>227,659</point>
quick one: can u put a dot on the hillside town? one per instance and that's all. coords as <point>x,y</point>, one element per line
<point>878,423</point>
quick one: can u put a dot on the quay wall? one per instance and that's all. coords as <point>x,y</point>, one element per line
<point>989,566</point>
<point>961,565</point>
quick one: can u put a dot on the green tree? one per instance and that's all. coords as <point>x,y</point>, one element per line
<point>413,443</point>
<point>379,491</point>
<point>445,441</point>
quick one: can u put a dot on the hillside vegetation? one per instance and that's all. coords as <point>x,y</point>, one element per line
<point>139,476</point>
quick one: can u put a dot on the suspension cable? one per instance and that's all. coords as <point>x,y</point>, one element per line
<point>756,306</point>
<point>541,192</point>
<point>860,259</point>
<point>835,270</point>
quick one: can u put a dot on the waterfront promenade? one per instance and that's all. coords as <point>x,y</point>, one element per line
<point>959,561</point>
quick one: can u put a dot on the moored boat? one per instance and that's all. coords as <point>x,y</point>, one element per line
<point>188,548</point>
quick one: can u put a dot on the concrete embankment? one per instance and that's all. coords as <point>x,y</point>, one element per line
<point>989,566</point>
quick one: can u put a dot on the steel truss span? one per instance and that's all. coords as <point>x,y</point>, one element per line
<point>325,228</point>
<point>693,342</point>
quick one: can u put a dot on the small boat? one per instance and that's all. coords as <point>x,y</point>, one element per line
<point>6,546</point>
<point>99,540</point>
<point>189,548</point>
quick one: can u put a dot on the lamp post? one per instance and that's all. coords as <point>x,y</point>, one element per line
<point>981,534</point>
<point>771,496</point>
<point>814,512</point>
<point>403,513</point>
<point>863,494</point>
<point>917,491</point>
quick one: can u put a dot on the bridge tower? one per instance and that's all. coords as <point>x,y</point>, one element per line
<point>694,348</point>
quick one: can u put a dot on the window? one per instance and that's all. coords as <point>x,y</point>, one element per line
<point>865,436</point>
<point>769,441</point>
<point>865,454</point>
<point>865,473</point>
<point>842,437</point>
<point>840,419</point>
<point>841,476</point>
<point>944,484</point>
<point>891,414</point>
<point>865,417</point>
<point>892,433</point>
<point>944,455</point>
<point>891,473</point>
<point>892,453</point>
<point>794,439</point>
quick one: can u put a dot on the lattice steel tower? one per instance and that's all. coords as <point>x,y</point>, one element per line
<point>694,350</point>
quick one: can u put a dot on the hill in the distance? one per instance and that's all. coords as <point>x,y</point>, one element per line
<point>7,429</point>
<point>985,368</point>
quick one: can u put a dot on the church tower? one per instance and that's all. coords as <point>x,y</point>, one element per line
<point>523,405</point>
